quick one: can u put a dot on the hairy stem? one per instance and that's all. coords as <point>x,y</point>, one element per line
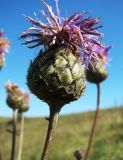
<point>21,136</point>
<point>51,127</point>
<point>94,123</point>
<point>15,112</point>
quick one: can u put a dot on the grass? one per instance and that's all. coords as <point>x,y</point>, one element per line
<point>72,133</point>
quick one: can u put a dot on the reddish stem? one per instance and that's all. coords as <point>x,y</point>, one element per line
<point>94,123</point>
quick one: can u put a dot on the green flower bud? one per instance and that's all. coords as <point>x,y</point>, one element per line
<point>16,98</point>
<point>96,73</point>
<point>56,76</point>
<point>79,154</point>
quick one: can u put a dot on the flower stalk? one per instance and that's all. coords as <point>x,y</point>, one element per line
<point>94,123</point>
<point>15,113</point>
<point>50,132</point>
<point>0,153</point>
<point>18,101</point>
<point>21,136</point>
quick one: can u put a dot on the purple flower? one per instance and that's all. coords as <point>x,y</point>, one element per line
<point>4,43</point>
<point>76,32</point>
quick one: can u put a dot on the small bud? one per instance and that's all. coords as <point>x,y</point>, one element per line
<point>47,118</point>
<point>96,73</point>
<point>79,154</point>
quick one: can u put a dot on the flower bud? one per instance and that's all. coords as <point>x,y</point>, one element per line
<point>79,154</point>
<point>56,77</point>
<point>96,73</point>
<point>16,98</point>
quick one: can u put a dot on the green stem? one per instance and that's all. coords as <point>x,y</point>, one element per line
<point>0,154</point>
<point>51,127</point>
<point>94,123</point>
<point>21,136</point>
<point>15,112</point>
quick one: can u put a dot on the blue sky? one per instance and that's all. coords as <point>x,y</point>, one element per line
<point>17,60</point>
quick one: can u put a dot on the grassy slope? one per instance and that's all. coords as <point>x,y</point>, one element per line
<point>72,133</point>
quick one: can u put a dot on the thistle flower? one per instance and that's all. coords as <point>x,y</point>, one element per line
<point>76,37</point>
<point>17,98</point>
<point>4,46</point>
<point>96,73</point>
<point>57,74</point>
<point>76,32</point>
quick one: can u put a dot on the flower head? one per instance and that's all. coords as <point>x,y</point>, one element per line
<point>16,97</point>
<point>4,46</point>
<point>76,32</point>
<point>4,43</point>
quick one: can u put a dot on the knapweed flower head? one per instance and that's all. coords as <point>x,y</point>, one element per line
<point>97,72</point>
<point>76,32</point>
<point>4,46</point>
<point>102,53</point>
<point>16,97</point>
<point>4,43</point>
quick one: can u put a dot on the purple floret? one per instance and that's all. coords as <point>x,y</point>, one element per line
<point>76,32</point>
<point>4,43</point>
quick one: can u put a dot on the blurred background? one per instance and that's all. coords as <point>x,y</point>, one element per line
<point>17,60</point>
